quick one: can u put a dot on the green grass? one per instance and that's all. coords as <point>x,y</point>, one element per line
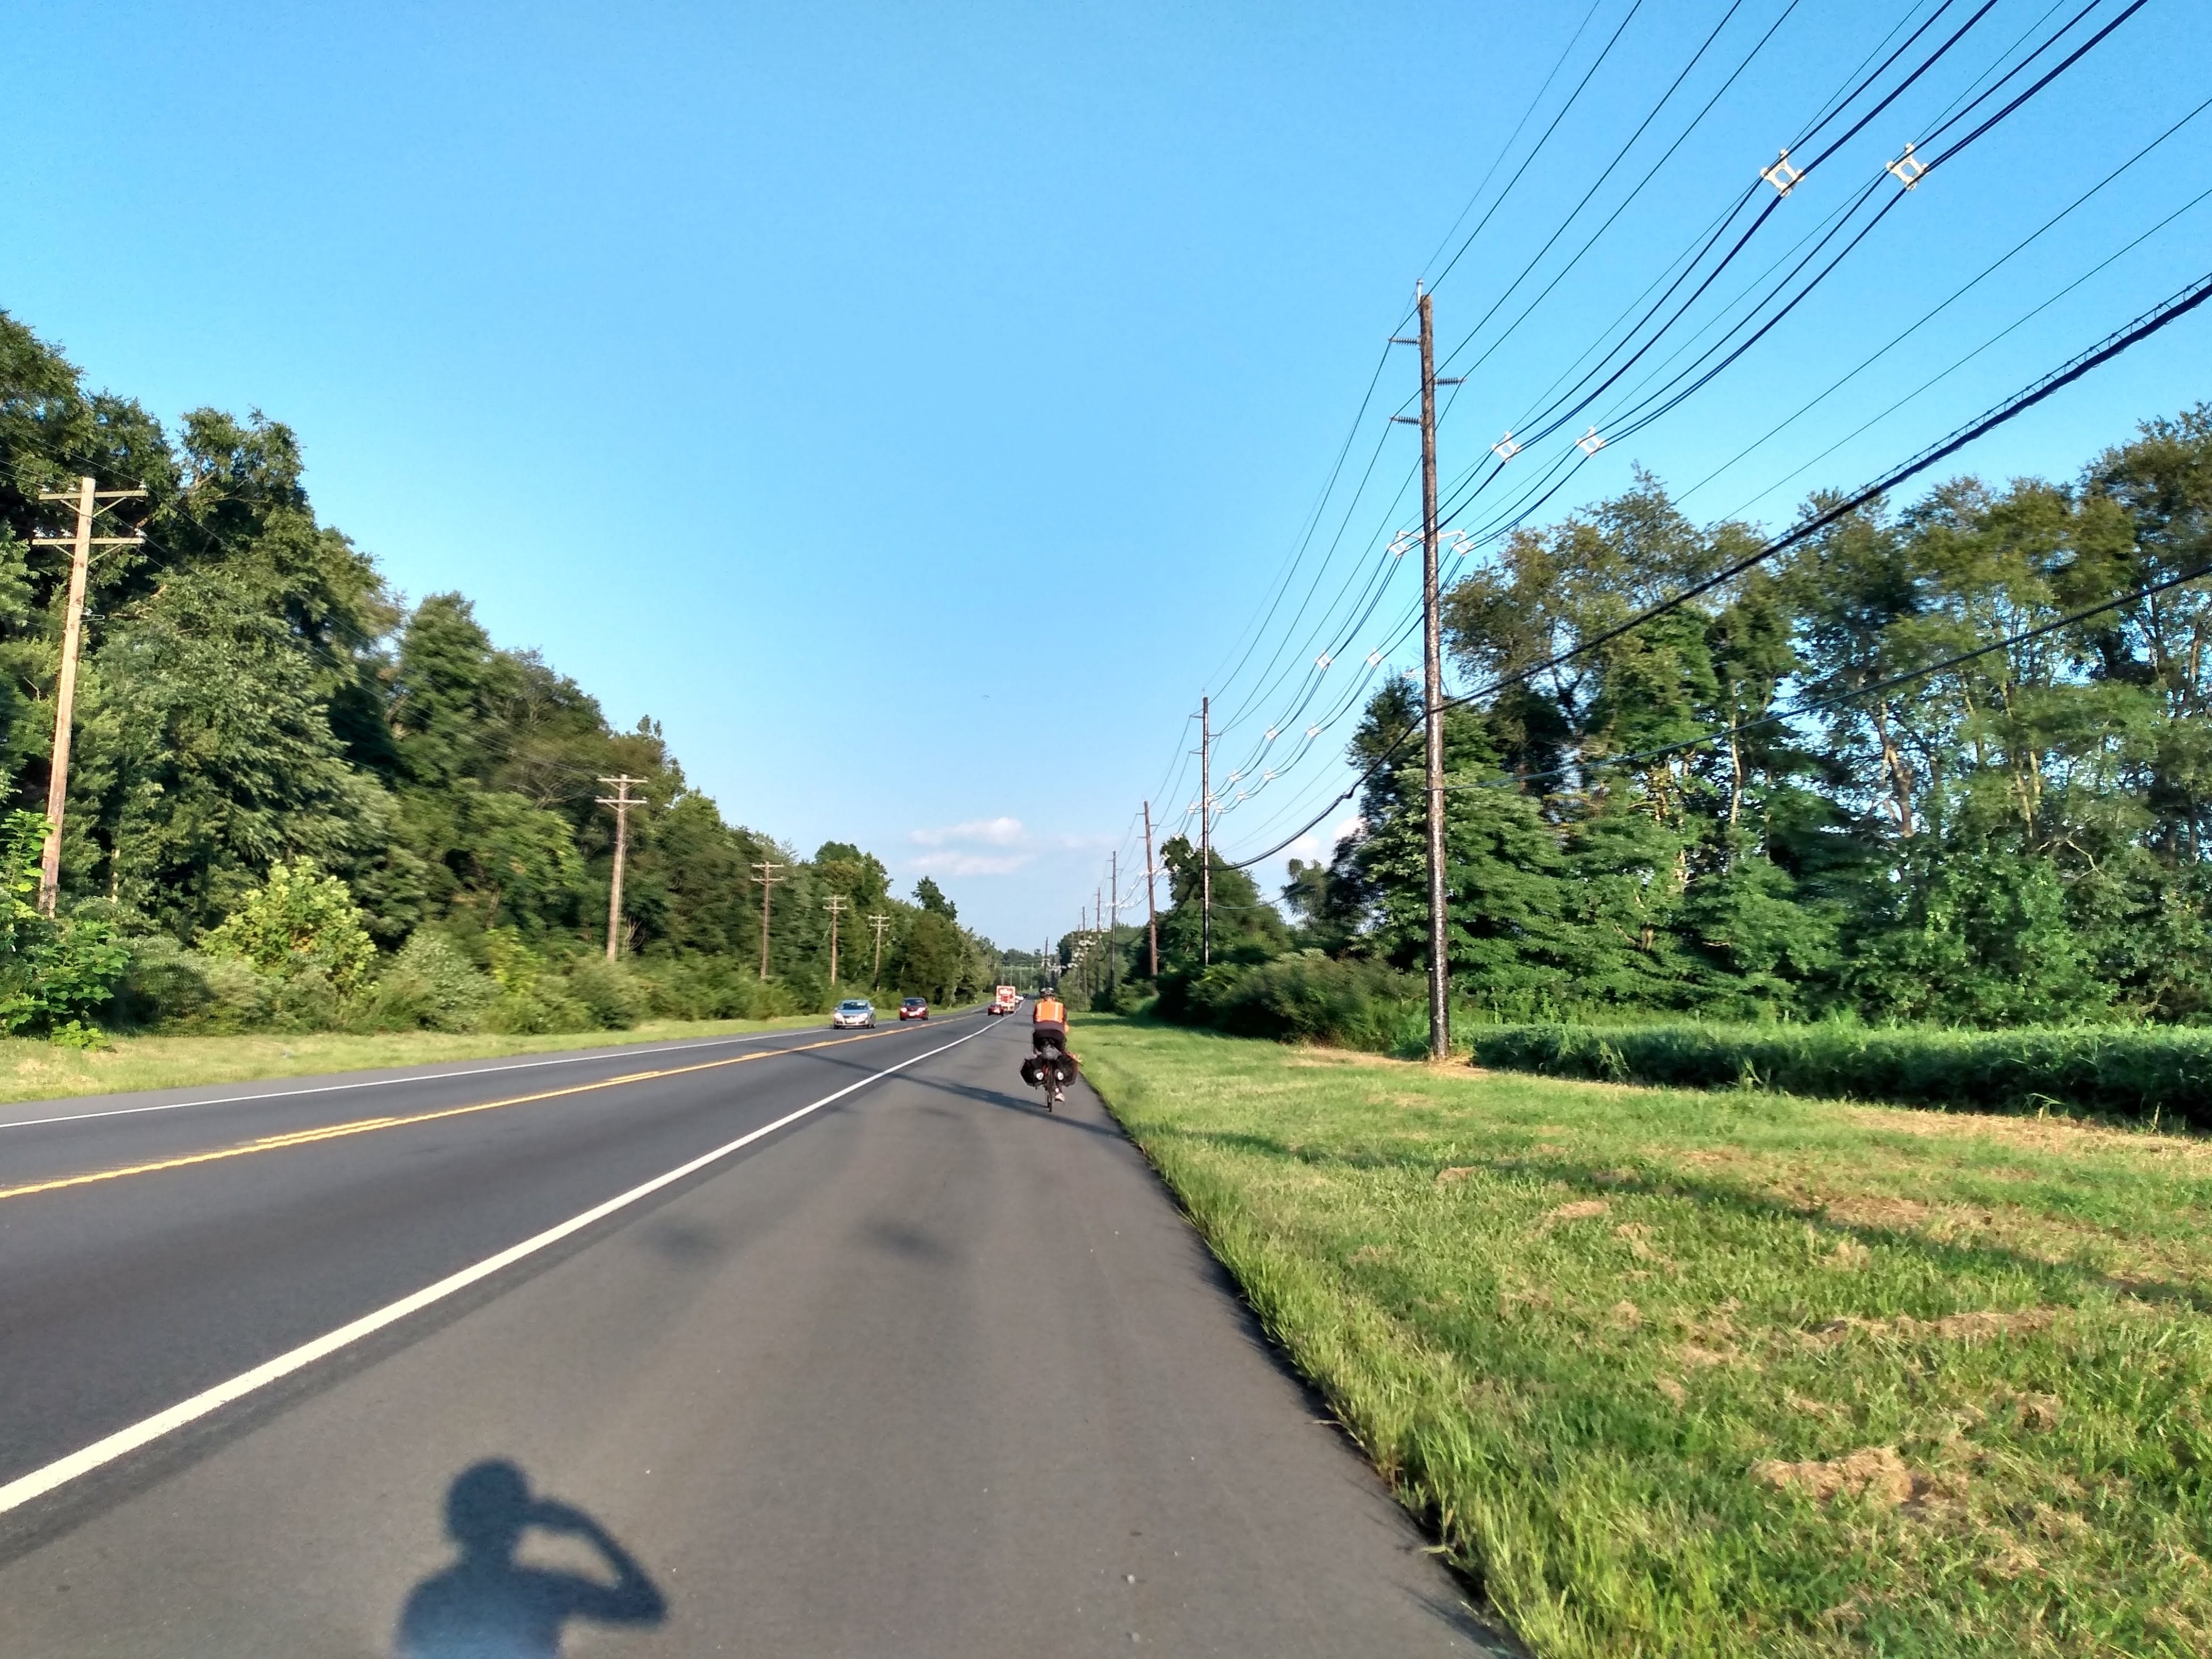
<point>41,1070</point>
<point>1617,1344</point>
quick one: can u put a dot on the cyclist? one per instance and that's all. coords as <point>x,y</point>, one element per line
<point>1050,1067</point>
<point>1048,1023</point>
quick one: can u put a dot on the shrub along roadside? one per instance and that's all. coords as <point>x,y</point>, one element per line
<point>2159,1076</point>
<point>2153,1075</point>
<point>1725,1375</point>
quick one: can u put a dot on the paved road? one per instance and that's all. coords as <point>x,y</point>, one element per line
<point>894,1364</point>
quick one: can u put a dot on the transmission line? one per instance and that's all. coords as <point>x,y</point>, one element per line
<point>2161,316</point>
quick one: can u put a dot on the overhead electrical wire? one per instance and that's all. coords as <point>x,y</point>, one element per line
<point>2159,317</point>
<point>1497,161</point>
<point>1962,361</point>
<point>1816,705</point>
<point>1656,404</point>
<point>1581,86</point>
<point>1959,293</point>
<point>1626,422</point>
<point>1513,137</point>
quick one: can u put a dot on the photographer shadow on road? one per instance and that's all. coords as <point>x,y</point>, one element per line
<point>489,1606</point>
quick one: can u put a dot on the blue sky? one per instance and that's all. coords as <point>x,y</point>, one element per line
<point>915,408</point>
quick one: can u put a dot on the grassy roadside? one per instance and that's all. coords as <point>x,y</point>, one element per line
<point>41,1071</point>
<point>1693,1374</point>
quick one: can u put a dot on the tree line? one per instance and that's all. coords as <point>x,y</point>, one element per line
<point>1757,806</point>
<point>253,698</point>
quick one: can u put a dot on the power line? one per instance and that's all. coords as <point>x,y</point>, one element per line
<point>2162,316</point>
<point>1703,370</point>
<point>1813,706</point>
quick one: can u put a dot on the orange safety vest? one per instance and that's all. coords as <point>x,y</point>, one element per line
<point>1050,1008</point>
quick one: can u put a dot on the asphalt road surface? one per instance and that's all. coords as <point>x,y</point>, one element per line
<point>804,1343</point>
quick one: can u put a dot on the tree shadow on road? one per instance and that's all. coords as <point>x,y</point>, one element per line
<point>489,1606</point>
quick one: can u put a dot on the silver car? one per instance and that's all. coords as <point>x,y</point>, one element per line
<point>854,1011</point>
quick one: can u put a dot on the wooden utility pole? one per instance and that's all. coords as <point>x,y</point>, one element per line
<point>836,902</point>
<point>89,501</point>
<point>767,879</point>
<point>1433,690</point>
<point>878,922</point>
<point>622,800</point>
<point>1205,831</point>
<point>1151,912</point>
<point>1113,917</point>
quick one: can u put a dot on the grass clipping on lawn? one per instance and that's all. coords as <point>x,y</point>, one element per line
<point>1692,1374</point>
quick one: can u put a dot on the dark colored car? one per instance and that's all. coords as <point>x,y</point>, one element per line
<point>914,1008</point>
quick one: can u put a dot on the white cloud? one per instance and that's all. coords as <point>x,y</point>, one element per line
<point>969,864</point>
<point>983,832</point>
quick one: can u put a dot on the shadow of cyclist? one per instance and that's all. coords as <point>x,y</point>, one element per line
<point>488,1606</point>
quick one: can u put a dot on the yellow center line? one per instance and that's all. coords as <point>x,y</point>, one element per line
<point>364,1126</point>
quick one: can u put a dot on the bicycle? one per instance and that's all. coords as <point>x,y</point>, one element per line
<point>1052,1069</point>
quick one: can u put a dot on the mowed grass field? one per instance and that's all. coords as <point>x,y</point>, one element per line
<point>1689,1374</point>
<point>42,1071</point>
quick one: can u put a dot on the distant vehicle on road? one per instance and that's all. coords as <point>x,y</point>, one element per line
<point>1006,1001</point>
<point>914,1008</point>
<point>855,1011</point>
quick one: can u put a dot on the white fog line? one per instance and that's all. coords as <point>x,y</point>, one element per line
<point>618,1052</point>
<point>64,1470</point>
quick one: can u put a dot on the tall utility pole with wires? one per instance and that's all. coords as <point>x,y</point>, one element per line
<point>1152,913</point>
<point>877,920</point>
<point>90,501</point>
<point>1205,831</point>
<point>1113,917</point>
<point>767,879</point>
<point>1432,676</point>
<point>622,800</point>
<point>836,902</point>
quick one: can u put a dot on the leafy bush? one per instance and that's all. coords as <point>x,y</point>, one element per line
<point>1311,997</point>
<point>55,975</point>
<point>532,999</point>
<point>707,988</point>
<point>2114,1071</point>
<point>429,986</point>
<point>613,996</point>
<point>172,988</point>
<point>299,919</point>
